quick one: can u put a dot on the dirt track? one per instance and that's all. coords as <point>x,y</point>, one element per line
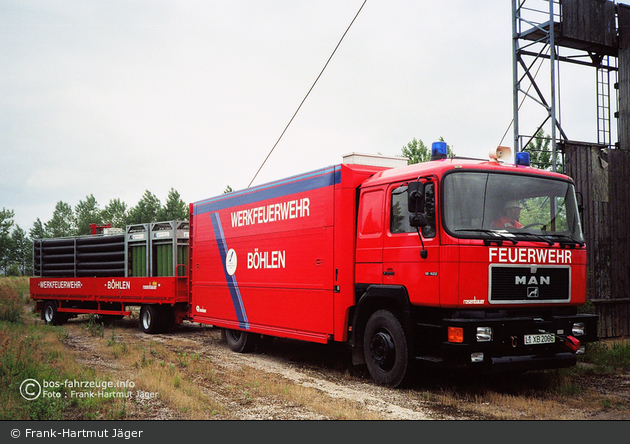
<point>328,369</point>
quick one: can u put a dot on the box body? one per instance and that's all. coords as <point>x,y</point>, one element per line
<point>279,258</point>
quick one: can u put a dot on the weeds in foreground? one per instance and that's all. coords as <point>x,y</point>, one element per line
<point>33,354</point>
<point>12,296</point>
<point>94,327</point>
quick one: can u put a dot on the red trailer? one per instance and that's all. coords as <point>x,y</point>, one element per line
<point>162,300</point>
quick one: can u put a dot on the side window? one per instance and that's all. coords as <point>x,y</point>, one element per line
<point>371,213</point>
<point>429,210</point>
<point>399,216</point>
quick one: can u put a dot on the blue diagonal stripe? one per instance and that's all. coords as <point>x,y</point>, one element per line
<point>235,293</point>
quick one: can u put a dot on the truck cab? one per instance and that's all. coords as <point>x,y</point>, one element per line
<point>444,275</point>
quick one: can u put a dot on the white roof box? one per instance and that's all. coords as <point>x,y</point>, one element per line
<point>375,160</point>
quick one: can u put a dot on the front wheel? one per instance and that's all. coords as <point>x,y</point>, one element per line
<point>385,349</point>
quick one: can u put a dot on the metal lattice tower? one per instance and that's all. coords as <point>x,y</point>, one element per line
<point>585,30</point>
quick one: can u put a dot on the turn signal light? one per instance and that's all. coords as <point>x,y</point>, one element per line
<point>455,334</point>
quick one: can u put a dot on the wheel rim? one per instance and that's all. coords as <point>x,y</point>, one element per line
<point>146,320</point>
<point>383,350</point>
<point>48,313</point>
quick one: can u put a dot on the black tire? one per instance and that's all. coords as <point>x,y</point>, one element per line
<point>385,349</point>
<point>50,315</point>
<point>151,319</point>
<point>240,341</point>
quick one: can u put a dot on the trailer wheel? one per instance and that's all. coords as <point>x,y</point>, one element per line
<point>50,315</point>
<point>150,319</point>
<point>385,349</point>
<point>240,341</point>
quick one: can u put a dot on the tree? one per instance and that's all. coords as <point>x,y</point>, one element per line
<point>416,151</point>
<point>86,213</point>
<point>6,222</point>
<point>62,222</point>
<point>21,254</point>
<point>115,213</point>
<point>146,211</point>
<point>540,152</point>
<point>174,208</point>
<point>38,231</point>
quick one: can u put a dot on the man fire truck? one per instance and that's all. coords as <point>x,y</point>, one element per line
<point>402,263</point>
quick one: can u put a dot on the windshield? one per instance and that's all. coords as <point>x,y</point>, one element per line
<point>510,206</point>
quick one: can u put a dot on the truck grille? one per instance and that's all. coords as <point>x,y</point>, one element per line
<point>518,284</point>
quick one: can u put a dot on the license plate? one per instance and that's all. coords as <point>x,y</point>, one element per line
<point>539,339</point>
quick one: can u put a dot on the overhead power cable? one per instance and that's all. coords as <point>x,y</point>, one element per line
<point>307,94</point>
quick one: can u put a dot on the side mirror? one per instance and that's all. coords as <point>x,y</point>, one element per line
<point>415,200</point>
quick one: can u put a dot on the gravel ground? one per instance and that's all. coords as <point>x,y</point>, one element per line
<point>328,369</point>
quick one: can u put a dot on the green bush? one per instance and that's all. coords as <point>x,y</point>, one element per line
<point>608,358</point>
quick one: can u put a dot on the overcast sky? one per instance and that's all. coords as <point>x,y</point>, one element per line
<point>113,98</point>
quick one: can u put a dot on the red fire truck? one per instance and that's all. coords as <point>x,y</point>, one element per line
<point>424,262</point>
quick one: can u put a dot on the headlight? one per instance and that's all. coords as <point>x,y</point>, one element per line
<point>579,329</point>
<point>484,334</point>
<point>476,357</point>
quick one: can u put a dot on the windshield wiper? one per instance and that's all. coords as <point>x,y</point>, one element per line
<point>539,237</point>
<point>570,241</point>
<point>503,234</point>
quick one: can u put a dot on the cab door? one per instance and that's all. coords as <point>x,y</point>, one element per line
<point>370,233</point>
<point>403,262</point>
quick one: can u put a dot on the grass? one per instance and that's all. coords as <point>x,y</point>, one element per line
<point>190,383</point>
<point>551,394</point>
<point>608,356</point>
<point>36,351</point>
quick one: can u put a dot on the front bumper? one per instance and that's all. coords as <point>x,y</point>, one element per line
<point>507,351</point>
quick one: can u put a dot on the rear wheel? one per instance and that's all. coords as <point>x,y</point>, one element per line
<point>150,319</point>
<point>385,349</point>
<point>240,341</point>
<point>50,315</point>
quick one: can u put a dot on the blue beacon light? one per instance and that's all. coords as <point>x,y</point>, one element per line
<point>438,151</point>
<point>522,158</point>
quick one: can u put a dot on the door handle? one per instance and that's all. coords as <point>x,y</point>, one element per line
<point>389,273</point>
